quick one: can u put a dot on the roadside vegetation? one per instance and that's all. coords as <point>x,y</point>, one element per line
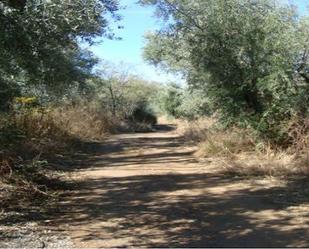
<point>246,101</point>
<point>235,149</point>
<point>55,95</point>
<point>247,68</point>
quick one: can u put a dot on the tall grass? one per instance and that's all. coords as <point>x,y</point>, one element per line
<point>31,137</point>
<point>237,151</point>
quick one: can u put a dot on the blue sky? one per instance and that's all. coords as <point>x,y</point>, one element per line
<point>302,5</point>
<point>136,21</point>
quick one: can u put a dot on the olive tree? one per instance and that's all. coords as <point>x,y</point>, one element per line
<point>249,57</point>
<point>40,41</point>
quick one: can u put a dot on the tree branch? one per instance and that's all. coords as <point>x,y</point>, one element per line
<point>194,22</point>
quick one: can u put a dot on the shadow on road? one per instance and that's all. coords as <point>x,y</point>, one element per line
<point>164,209</point>
<point>165,127</point>
<point>176,211</point>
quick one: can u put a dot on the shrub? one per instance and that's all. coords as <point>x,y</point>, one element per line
<point>194,105</point>
<point>170,100</point>
<point>238,151</point>
<point>250,58</point>
<point>31,137</point>
<point>142,114</point>
<point>226,143</point>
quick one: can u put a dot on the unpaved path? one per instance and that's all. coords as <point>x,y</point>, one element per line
<point>148,190</point>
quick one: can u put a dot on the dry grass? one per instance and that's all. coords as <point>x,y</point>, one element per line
<point>68,121</point>
<point>86,123</point>
<point>279,164</point>
<point>226,143</point>
<point>30,136</point>
<point>197,130</point>
<point>236,152</point>
<point>213,141</point>
<point>299,134</point>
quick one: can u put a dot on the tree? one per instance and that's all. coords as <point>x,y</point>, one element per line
<point>171,100</point>
<point>249,57</point>
<point>40,40</point>
<point>121,93</point>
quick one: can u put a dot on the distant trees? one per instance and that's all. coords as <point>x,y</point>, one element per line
<point>183,102</point>
<point>249,58</point>
<point>122,94</point>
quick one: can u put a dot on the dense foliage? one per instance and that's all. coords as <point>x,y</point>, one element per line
<point>180,102</point>
<point>123,95</point>
<point>39,44</point>
<point>51,98</point>
<point>249,58</point>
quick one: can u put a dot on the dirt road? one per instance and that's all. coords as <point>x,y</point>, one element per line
<point>148,190</point>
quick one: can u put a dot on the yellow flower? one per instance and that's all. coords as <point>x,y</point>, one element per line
<point>25,100</point>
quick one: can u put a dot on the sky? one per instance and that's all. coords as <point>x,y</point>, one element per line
<point>301,4</point>
<point>136,21</point>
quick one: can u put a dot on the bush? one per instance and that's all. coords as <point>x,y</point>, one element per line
<point>226,143</point>
<point>185,103</point>
<point>170,100</point>
<point>250,58</point>
<point>32,137</point>
<point>239,151</point>
<point>143,115</point>
<point>194,105</point>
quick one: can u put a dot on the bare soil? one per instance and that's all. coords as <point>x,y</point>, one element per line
<point>148,190</point>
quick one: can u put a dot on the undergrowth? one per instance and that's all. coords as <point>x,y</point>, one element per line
<point>238,151</point>
<point>33,138</point>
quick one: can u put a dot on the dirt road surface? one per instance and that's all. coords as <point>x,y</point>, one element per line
<point>148,190</point>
